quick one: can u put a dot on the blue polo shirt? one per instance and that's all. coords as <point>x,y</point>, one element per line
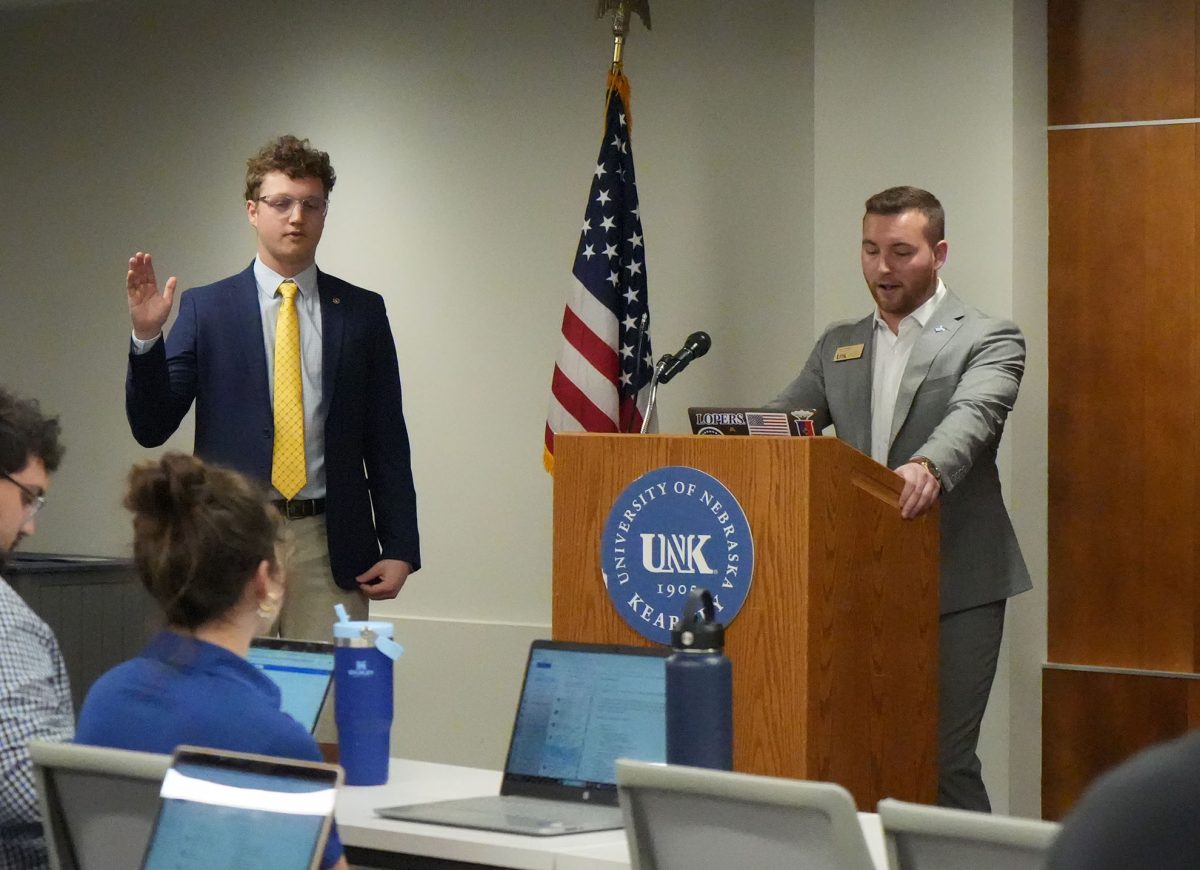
<point>184,691</point>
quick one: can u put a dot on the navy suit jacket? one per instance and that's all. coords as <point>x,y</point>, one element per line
<point>215,356</point>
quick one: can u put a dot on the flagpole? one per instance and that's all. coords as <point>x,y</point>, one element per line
<point>621,10</point>
<point>604,368</point>
<point>620,22</point>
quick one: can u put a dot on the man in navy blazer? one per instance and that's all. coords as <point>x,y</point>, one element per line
<point>355,518</point>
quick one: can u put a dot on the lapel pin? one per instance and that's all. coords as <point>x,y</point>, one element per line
<point>938,328</point>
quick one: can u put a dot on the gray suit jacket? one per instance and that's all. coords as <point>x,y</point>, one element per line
<point>957,389</point>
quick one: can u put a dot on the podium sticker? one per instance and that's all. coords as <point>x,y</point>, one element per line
<point>673,530</point>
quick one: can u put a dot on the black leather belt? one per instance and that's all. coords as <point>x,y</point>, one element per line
<point>299,508</point>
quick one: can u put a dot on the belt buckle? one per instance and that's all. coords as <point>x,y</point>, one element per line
<point>294,510</point>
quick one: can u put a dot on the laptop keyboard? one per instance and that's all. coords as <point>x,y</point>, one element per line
<point>532,812</point>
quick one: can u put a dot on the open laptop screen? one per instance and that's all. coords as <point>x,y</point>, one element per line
<point>226,810</point>
<point>303,671</point>
<point>582,706</point>
<point>581,709</point>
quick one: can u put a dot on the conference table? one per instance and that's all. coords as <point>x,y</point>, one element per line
<point>385,843</point>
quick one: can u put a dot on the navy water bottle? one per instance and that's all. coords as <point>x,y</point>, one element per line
<point>362,702</point>
<point>699,689</point>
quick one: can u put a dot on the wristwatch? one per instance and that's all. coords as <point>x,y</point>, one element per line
<point>928,465</point>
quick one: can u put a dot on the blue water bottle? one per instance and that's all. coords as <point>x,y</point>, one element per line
<point>362,683</point>
<point>699,689</point>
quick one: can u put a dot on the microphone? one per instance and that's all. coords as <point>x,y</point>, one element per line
<point>696,346</point>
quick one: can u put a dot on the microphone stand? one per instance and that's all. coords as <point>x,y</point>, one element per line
<point>658,370</point>
<point>642,324</point>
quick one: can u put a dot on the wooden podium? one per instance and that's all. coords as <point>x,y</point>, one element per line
<point>835,651</point>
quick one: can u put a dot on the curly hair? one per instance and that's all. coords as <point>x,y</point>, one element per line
<point>292,156</point>
<point>26,432</point>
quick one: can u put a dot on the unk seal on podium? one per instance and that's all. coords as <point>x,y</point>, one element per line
<point>670,531</point>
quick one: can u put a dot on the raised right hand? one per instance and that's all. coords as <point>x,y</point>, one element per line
<point>148,309</point>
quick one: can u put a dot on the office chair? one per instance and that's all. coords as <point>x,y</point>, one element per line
<point>681,818</point>
<point>920,837</point>
<point>98,804</point>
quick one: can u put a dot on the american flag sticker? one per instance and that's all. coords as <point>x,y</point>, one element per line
<point>767,423</point>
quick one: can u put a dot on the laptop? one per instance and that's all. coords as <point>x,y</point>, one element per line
<point>752,421</point>
<point>303,670</point>
<point>225,810</point>
<point>582,707</point>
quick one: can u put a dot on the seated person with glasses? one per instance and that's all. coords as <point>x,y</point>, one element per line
<point>31,502</point>
<point>35,695</point>
<point>211,550</point>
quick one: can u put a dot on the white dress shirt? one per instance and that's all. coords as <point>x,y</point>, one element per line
<point>891,352</point>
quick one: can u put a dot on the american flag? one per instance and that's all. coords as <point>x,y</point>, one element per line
<point>604,367</point>
<point>768,423</point>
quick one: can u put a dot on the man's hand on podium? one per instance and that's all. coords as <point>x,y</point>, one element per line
<point>921,489</point>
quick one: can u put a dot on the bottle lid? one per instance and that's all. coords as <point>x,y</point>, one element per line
<point>353,629</point>
<point>367,634</point>
<point>697,629</point>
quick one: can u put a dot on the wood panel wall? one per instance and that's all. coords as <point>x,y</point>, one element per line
<point>1124,488</point>
<point>1099,718</point>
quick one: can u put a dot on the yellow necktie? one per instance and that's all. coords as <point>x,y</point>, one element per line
<point>288,472</point>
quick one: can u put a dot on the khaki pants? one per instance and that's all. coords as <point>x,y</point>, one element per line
<point>309,599</point>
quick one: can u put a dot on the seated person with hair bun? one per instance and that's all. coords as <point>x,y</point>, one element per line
<point>211,550</point>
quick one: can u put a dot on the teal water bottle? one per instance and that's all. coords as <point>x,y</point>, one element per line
<point>699,689</point>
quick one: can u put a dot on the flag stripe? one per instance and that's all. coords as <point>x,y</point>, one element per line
<point>590,346</point>
<point>592,313</point>
<point>589,381</point>
<point>592,418</point>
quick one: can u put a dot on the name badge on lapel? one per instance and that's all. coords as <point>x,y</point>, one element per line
<point>848,351</point>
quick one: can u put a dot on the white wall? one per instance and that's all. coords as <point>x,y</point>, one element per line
<point>951,97</point>
<point>464,134</point>
<point>1027,493</point>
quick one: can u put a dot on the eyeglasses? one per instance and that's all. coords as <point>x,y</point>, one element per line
<point>33,501</point>
<point>282,204</point>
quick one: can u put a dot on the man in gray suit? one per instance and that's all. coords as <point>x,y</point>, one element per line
<point>924,385</point>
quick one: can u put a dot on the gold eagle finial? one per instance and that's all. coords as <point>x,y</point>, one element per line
<point>621,10</point>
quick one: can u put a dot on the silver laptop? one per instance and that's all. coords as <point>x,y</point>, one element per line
<point>582,707</point>
<point>303,670</point>
<point>752,421</point>
<point>228,810</point>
